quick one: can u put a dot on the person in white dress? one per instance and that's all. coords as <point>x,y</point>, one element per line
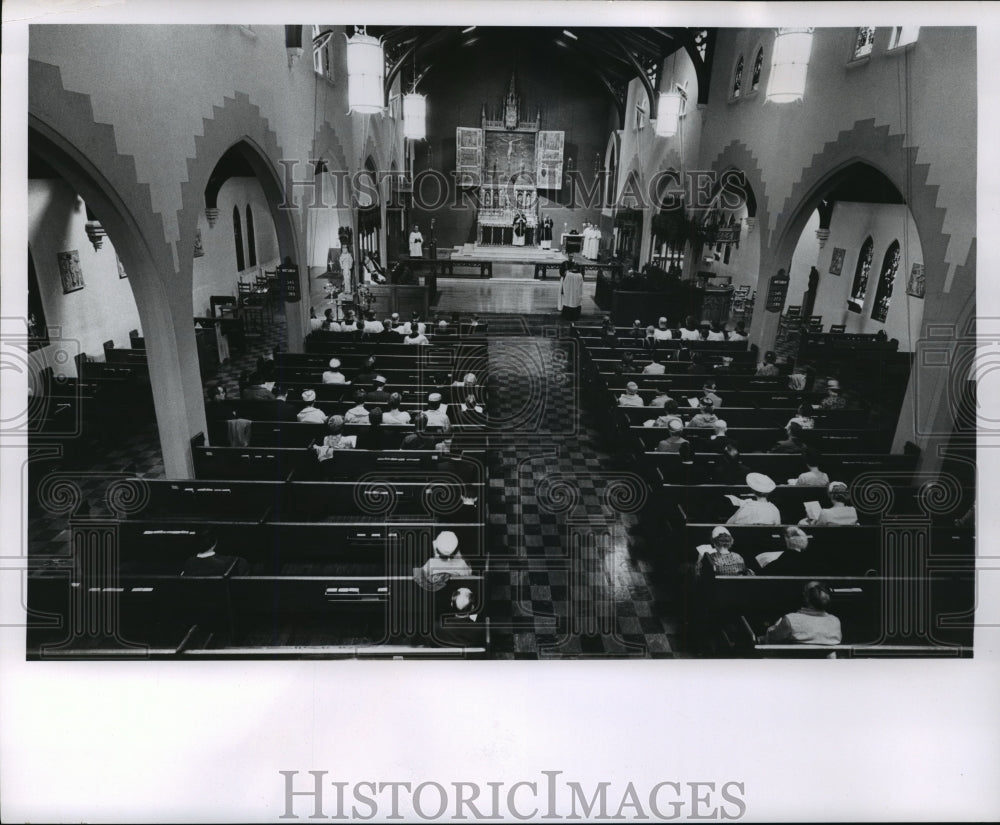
<point>631,397</point>
<point>334,375</point>
<point>416,243</point>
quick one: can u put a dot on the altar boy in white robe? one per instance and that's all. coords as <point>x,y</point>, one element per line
<point>416,243</point>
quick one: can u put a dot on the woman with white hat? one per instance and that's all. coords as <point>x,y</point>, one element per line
<point>336,440</point>
<point>310,414</point>
<point>757,510</point>
<point>333,375</point>
<point>445,562</point>
<point>631,397</point>
<point>673,442</point>
<point>840,513</point>
<point>717,554</point>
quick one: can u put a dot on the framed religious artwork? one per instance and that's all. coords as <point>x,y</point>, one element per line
<point>199,250</point>
<point>915,285</point>
<point>121,268</point>
<point>837,261</point>
<point>70,271</point>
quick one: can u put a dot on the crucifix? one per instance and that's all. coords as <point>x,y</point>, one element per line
<point>510,144</point>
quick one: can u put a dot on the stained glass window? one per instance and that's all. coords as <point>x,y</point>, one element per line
<point>738,79</point>
<point>322,52</point>
<point>758,64</point>
<point>903,36</point>
<point>864,41</point>
<point>251,244</point>
<point>890,265</point>
<point>238,239</point>
<point>860,286</point>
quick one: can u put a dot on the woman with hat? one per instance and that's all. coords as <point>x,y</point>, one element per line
<point>756,510</point>
<point>834,400</point>
<point>336,440</point>
<point>673,442</point>
<point>796,541</point>
<point>333,375</point>
<point>445,562</point>
<point>840,513</point>
<point>768,368</point>
<point>358,414</point>
<point>690,331</point>
<point>721,545</point>
<point>310,413</point>
<point>662,330</point>
<point>705,417</point>
<point>631,397</point>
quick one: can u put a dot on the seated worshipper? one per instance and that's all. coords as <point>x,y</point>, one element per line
<point>689,332</point>
<point>375,437</point>
<point>446,562</point>
<point>328,324</point>
<point>708,392</point>
<point>811,624</point>
<point>442,330</point>
<point>394,319</point>
<point>468,382</point>
<point>660,399</point>
<point>730,469</point>
<point>840,513</point>
<point>333,375</point>
<point>636,333</point>
<point>377,394</point>
<point>218,411</point>
<point>669,414</point>
<point>394,415</point>
<point>768,368</point>
<point>310,414</point>
<point>796,541</point>
<point>336,440</point>
<point>627,364</point>
<point>387,333</point>
<point>715,332</point>
<point>436,412</point>
<point>419,439</point>
<point>650,342</point>
<point>662,331</point>
<point>416,337</point>
<point>471,405</point>
<point>314,322</point>
<point>464,626</point>
<point>417,324</point>
<point>699,364</point>
<point>718,440</point>
<point>801,377</point>
<point>740,333</point>
<point>803,417</point>
<point>209,563</point>
<point>255,390</point>
<point>673,442</point>
<point>358,414</point>
<point>719,556</point>
<point>814,476</point>
<point>631,397</point>
<point>792,444</point>
<point>654,367</point>
<point>691,470</point>
<point>705,417</point>
<point>834,400</point>
<point>277,410</point>
<point>372,326</point>
<point>367,372</point>
<point>757,510</point>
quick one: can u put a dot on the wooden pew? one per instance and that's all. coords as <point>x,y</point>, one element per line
<point>782,466</point>
<point>752,417</point>
<point>762,439</point>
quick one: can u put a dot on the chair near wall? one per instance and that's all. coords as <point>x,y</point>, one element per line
<point>837,329</point>
<point>815,323</point>
<point>253,305</point>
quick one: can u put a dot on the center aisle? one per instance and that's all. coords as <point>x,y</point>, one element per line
<point>568,578</point>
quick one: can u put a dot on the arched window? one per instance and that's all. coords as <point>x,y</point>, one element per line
<point>251,244</point>
<point>860,286</point>
<point>883,294</point>
<point>758,64</point>
<point>738,79</point>
<point>238,239</point>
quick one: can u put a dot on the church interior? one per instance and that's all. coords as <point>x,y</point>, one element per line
<point>483,342</point>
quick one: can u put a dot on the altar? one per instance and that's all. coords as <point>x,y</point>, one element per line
<point>505,162</point>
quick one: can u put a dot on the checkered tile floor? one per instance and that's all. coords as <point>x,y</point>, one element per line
<point>571,576</point>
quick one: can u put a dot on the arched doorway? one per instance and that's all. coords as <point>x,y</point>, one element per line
<point>859,241</point>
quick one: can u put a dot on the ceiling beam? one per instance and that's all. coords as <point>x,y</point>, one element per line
<point>640,73</point>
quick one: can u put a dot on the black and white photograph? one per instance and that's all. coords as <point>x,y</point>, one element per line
<point>499,381</point>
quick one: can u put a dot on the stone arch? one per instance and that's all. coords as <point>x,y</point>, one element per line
<point>239,123</point>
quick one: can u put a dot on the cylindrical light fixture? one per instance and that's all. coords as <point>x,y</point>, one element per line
<point>668,113</point>
<point>365,74</point>
<point>293,44</point>
<point>789,65</point>
<point>414,116</point>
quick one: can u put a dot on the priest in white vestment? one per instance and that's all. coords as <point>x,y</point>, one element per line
<point>416,243</point>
